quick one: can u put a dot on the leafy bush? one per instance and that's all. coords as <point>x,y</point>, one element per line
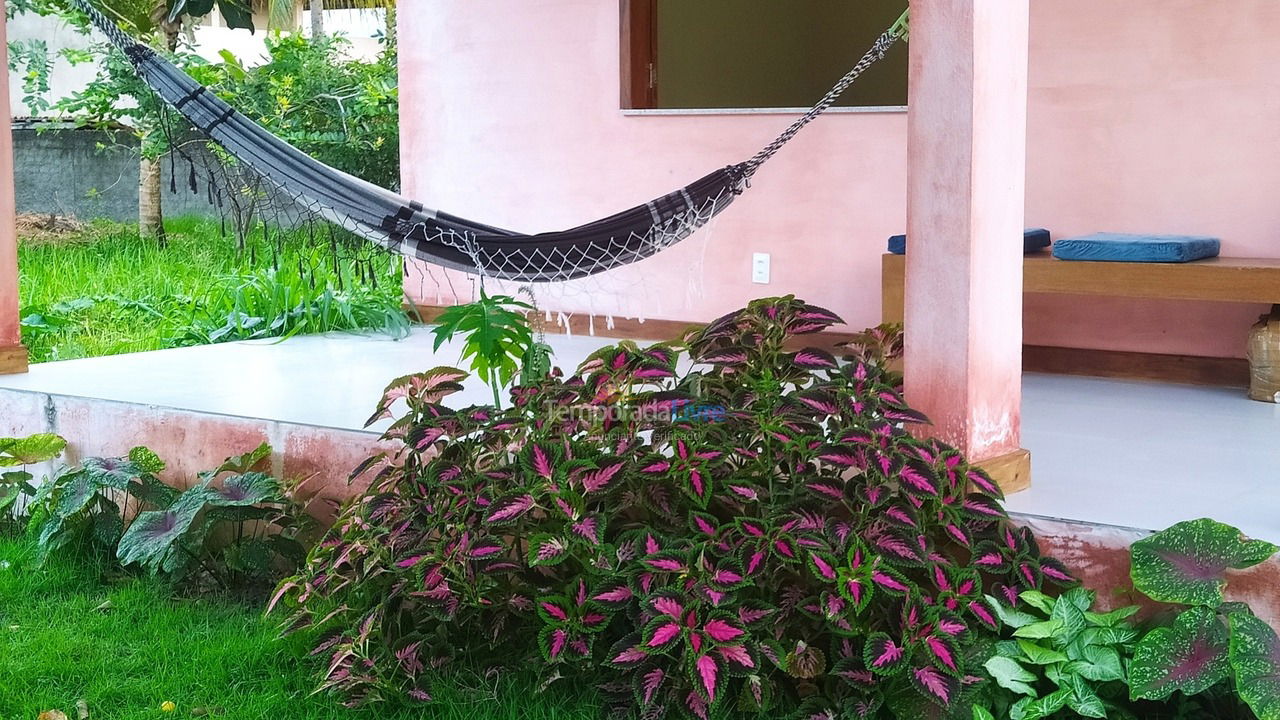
<point>758,533</point>
<point>16,484</point>
<point>234,526</point>
<point>1210,659</point>
<point>1212,641</point>
<point>1063,655</point>
<point>342,111</point>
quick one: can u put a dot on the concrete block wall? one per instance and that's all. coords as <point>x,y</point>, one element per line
<point>91,174</point>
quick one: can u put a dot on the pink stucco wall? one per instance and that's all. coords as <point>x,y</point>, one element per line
<point>1155,115</point>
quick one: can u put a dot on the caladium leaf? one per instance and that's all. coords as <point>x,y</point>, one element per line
<point>153,537</point>
<point>251,488</point>
<point>1255,658</point>
<point>255,458</point>
<point>1187,563</point>
<point>30,450</point>
<point>113,472</point>
<point>1191,656</point>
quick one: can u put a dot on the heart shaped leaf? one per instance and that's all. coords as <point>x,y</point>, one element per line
<point>1188,563</point>
<point>1255,657</point>
<point>30,450</point>
<point>1190,656</point>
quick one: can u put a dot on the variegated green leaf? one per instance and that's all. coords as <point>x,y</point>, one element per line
<point>1188,563</point>
<point>1190,655</point>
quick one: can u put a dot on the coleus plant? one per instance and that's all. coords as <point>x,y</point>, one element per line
<point>1211,641</point>
<point>758,533</point>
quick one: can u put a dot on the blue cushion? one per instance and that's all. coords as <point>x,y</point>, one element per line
<point>1032,240</point>
<point>1118,247</point>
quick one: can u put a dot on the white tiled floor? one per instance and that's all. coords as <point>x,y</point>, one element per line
<point>1148,455</point>
<point>1142,455</point>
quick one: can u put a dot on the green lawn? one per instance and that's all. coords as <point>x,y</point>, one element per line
<point>125,648</point>
<point>105,291</point>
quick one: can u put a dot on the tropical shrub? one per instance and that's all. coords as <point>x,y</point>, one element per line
<point>234,526</point>
<point>759,533</point>
<point>17,484</point>
<point>1209,658</point>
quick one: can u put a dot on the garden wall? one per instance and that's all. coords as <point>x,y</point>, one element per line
<point>88,174</point>
<point>1147,115</point>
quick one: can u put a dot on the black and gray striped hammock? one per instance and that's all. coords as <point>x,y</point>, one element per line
<point>402,225</point>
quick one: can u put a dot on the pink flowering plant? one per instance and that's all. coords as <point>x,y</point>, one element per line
<point>752,531</point>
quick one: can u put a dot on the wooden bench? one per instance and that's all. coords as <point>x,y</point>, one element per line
<point>1236,280</point>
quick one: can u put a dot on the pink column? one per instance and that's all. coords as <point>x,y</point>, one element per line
<point>13,357</point>
<point>965,178</point>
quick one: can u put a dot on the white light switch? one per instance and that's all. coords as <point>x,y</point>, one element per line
<point>760,268</point>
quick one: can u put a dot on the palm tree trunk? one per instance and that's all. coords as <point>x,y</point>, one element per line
<point>390,17</point>
<point>150,201</point>
<point>317,18</point>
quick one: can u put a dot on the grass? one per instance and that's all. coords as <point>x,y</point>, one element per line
<point>103,291</point>
<point>59,644</point>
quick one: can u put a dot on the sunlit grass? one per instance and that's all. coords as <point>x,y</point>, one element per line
<point>107,291</point>
<point>127,647</point>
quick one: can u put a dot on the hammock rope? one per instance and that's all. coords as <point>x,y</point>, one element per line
<point>401,225</point>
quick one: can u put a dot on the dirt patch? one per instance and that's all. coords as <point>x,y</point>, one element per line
<point>49,229</point>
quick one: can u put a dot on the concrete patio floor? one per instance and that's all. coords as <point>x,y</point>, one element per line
<point>1130,454</point>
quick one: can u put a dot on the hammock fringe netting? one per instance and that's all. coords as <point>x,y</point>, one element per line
<point>404,226</point>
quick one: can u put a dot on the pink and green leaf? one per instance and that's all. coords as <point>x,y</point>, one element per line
<point>1188,563</point>
<point>883,655</point>
<point>1255,658</point>
<point>1189,656</point>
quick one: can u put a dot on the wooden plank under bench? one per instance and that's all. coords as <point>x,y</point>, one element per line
<point>1240,280</point>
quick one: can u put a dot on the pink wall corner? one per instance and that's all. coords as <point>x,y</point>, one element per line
<point>966,168</point>
<point>1148,115</point>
